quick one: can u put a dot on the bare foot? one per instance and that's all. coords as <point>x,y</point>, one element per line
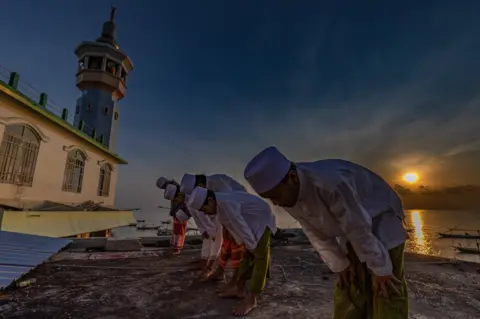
<point>233,292</point>
<point>246,306</point>
<point>217,275</point>
<point>205,275</point>
<point>202,272</point>
<point>229,285</point>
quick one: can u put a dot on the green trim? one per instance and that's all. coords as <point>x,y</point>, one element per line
<point>37,108</point>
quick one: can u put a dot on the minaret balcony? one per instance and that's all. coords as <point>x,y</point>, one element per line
<point>89,78</point>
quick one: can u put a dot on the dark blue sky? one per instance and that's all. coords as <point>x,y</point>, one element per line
<point>392,86</point>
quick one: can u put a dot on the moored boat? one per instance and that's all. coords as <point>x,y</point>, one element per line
<point>467,250</point>
<point>459,236</point>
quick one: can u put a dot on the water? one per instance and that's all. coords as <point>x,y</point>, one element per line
<point>423,238</point>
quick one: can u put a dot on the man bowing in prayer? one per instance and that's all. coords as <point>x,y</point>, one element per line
<point>338,199</point>
<point>250,221</point>
<point>204,225</point>
<point>179,227</point>
<point>181,215</point>
<point>230,250</point>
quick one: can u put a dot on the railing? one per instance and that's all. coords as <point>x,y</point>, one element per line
<point>13,81</point>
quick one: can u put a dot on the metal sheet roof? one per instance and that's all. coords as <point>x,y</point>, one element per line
<point>20,253</point>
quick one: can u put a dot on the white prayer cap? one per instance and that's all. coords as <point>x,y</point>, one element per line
<point>188,183</point>
<point>170,192</point>
<point>266,170</point>
<point>197,198</point>
<point>161,182</point>
<point>182,216</point>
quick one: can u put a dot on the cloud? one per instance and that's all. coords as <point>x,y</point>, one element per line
<point>424,120</point>
<point>372,133</point>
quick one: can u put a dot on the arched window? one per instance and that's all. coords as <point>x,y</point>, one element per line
<point>18,155</point>
<point>74,171</point>
<point>104,180</point>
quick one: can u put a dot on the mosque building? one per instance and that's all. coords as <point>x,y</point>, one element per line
<point>48,157</point>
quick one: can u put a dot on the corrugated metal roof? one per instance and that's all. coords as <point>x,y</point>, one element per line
<point>20,253</point>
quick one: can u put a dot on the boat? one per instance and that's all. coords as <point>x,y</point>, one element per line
<point>145,227</point>
<point>467,250</point>
<point>458,236</point>
<point>141,225</point>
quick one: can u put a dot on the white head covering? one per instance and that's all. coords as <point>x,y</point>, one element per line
<point>266,170</point>
<point>161,182</point>
<point>187,184</point>
<point>197,198</point>
<point>181,215</point>
<point>170,191</point>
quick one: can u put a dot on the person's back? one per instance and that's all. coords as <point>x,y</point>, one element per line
<point>374,192</point>
<point>223,183</point>
<point>256,212</point>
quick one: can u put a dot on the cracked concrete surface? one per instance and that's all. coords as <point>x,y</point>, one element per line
<point>152,286</point>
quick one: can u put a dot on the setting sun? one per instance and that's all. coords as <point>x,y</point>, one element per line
<point>410,178</point>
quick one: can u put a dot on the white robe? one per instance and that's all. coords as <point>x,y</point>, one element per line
<point>339,199</point>
<point>215,183</point>
<point>245,216</point>
<point>223,183</point>
<point>211,247</point>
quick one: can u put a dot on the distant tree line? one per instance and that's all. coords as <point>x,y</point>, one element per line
<point>449,197</point>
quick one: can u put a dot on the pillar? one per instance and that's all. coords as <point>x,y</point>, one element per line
<point>2,131</point>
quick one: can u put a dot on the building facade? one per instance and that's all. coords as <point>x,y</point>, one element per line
<point>46,156</point>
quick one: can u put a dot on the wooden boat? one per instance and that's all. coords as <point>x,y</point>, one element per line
<point>467,250</point>
<point>145,227</point>
<point>458,236</point>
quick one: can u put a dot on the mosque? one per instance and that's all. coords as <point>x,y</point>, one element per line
<point>49,158</point>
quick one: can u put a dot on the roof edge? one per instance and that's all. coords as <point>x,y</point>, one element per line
<point>38,109</point>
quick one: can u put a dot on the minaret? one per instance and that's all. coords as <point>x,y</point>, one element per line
<point>102,76</point>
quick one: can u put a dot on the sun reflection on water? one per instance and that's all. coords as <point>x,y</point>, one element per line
<point>421,244</point>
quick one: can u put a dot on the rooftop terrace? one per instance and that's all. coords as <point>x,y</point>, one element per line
<point>150,285</point>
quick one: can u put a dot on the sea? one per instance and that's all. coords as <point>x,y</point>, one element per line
<point>425,225</point>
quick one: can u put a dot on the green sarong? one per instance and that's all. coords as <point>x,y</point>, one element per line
<point>256,265</point>
<point>358,300</point>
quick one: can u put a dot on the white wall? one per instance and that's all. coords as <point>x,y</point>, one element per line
<point>50,167</point>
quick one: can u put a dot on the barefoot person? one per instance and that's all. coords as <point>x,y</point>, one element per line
<point>232,253</point>
<point>205,226</point>
<point>251,222</point>
<point>180,218</point>
<point>179,228</point>
<point>229,249</point>
<point>336,198</point>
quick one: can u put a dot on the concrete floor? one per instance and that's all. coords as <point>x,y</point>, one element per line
<point>153,286</point>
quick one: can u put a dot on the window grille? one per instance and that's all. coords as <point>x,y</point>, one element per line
<point>104,180</point>
<point>74,171</point>
<point>18,155</point>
